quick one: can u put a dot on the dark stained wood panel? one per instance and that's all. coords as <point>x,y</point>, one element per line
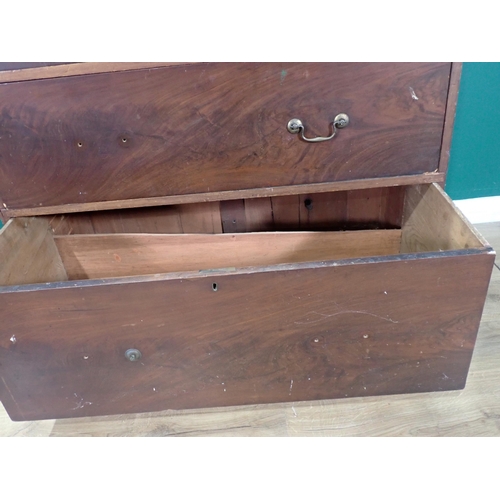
<point>451,106</point>
<point>314,332</point>
<point>214,127</point>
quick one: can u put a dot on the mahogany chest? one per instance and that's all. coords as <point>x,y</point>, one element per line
<point>211,234</point>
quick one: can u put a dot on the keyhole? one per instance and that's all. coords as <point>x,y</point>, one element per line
<point>214,287</point>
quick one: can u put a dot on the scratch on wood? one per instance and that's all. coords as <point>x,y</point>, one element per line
<point>80,403</point>
<point>291,385</point>
<point>326,316</point>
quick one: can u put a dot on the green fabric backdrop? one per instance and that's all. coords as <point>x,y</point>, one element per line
<point>474,169</point>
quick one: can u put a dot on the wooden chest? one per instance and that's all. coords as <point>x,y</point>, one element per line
<point>169,243</point>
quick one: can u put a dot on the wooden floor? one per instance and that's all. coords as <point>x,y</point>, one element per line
<point>475,411</point>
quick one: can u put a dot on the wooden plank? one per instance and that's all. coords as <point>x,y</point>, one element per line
<point>433,223</point>
<point>286,212</point>
<point>196,129</point>
<point>449,120</point>
<point>81,223</point>
<point>259,215</point>
<point>298,335</point>
<point>227,195</point>
<point>364,207</point>
<point>200,218</point>
<point>172,219</point>
<point>232,213</point>
<point>74,69</point>
<point>142,220</point>
<point>28,253</point>
<point>323,211</point>
<point>100,256</point>
<point>392,205</point>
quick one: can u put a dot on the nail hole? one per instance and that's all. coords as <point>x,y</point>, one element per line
<point>124,139</point>
<point>308,203</point>
<point>80,144</point>
<point>214,287</point>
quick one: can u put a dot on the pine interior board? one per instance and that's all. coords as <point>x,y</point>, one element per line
<point>321,211</point>
<point>259,215</point>
<point>200,218</point>
<point>432,223</point>
<point>286,212</point>
<point>364,207</point>
<point>113,255</point>
<point>28,253</point>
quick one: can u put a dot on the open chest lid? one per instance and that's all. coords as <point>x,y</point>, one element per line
<point>81,137</point>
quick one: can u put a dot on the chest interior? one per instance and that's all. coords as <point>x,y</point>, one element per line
<point>234,234</point>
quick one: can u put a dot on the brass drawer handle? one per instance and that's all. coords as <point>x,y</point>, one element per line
<point>295,126</point>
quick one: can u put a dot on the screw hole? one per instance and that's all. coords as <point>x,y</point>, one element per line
<point>124,139</point>
<point>214,287</point>
<point>80,144</point>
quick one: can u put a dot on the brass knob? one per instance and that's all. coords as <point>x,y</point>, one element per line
<point>133,354</point>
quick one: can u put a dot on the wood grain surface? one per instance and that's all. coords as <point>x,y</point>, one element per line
<point>307,333</point>
<point>473,411</point>
<point>105,256</point>
<point>28,253</point>
<point>214,127</point>
<point>18,72</point>
<point>431,222</point>
<point>300,189</point>
<point>340,210</point>
<point>451,107</point>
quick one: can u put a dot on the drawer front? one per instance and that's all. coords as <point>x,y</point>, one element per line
<point>379,326</point>
<point>214,127</point>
